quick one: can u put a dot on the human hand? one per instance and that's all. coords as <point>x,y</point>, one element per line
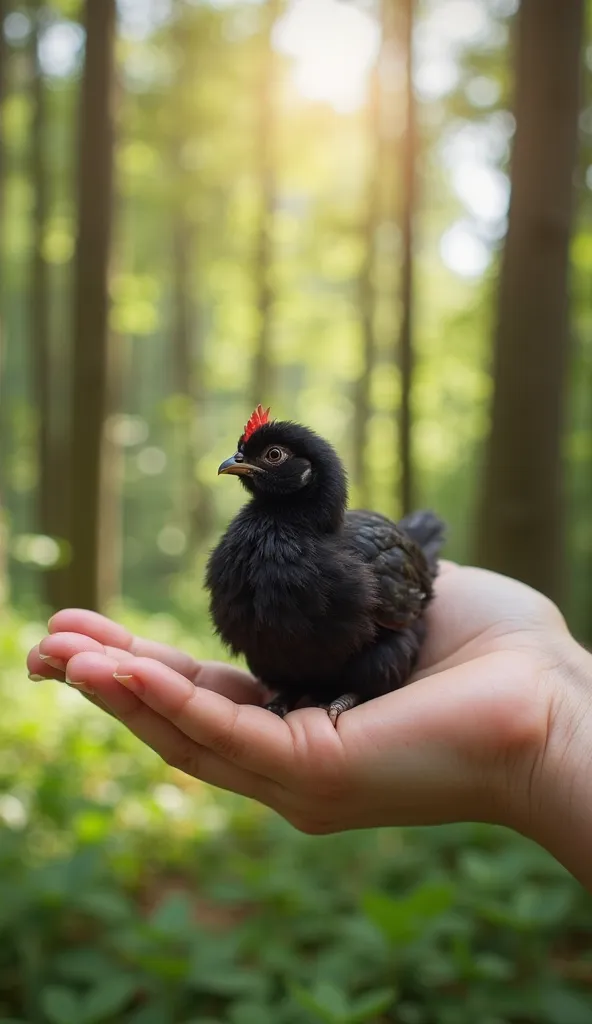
<point>468,739</point>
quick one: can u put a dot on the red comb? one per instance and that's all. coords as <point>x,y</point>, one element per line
<point>258,419</point>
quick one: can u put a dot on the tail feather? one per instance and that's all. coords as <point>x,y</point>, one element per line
<point>428,531</point>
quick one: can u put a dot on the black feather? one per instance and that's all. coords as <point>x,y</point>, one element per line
<point>320,601</point>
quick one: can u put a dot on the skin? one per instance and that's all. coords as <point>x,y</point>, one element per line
<point>492,728</point>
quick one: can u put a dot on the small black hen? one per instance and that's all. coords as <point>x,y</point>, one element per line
<point>325,604</point>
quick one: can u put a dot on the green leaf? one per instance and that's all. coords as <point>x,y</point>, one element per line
<point>232,981</point>
<point>251,1013</point>
<point>105,905</point>
<point>169,968</point>
<point>562,1006</point>
<point>373,1004</point>
<point>60,1005</point>
<point>108,998</point>
<point>431,899</point>
<point>202,1020</point>
<point>156,1012</point>
<point>83,965</point>
<point>401,920</point>
<point>327,1003</point>
<point>173,916</point>
<point>389,916</point>
<point>493,966</point>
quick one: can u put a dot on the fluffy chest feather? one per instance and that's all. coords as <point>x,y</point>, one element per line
<point>293,602</point>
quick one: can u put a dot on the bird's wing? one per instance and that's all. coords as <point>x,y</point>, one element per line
<point>402,572</point>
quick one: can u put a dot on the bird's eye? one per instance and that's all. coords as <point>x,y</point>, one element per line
<point>275,456</point>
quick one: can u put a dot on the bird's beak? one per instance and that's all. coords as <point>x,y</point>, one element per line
<point>236,466</point>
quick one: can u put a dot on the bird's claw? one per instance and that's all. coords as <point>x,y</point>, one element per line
<point>277,707</point>
<point>337,707</point>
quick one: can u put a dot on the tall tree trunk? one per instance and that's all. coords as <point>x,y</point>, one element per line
<point>50,512</point>
<point>39,310</point>
<point>91,331</point>
<point>3,432</point>
<point>521,522</point>
<point>110,550</point>
<point>3,87</point>
<point>262,383</point>
<point>408,209</point>
<point>367,296</point>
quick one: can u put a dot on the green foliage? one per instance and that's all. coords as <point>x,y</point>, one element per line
<point>132,895</point>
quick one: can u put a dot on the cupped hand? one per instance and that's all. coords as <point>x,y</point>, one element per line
<point>461,742</point>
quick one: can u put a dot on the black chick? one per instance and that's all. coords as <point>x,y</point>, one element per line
<point>326,605</point>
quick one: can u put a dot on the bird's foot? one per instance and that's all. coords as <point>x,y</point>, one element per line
<point>278,707</point>
<point>344,703</point>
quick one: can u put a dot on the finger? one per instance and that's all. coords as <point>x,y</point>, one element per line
<point>96,673</point>
<point>237,684</point>
<point>250,737</point>
<point>39,669</point>
<point>79,620</point>
<point>98,703</point>
<point>58,648</point>
<point>42,669</point>
<point>111,634</point>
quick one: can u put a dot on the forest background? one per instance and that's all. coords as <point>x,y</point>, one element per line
<point>376,217</point>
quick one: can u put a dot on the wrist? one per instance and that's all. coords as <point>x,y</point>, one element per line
<point>556,805</point>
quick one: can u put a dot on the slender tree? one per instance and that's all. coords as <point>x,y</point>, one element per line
<point>39,307</point>
<point>4,61</point>
<point>50,512</point>
<point>521,519</point>
<point>110,547</point>
<point>3,87</point>
<point>262,383</point>
<point>90,363</point>
<point>3,521</point>
<point>366,292</point>
<point>408,212</point>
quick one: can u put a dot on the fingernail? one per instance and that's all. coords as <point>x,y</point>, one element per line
<point>56,663</point>
<point>83,687</point>
<point>129,681</point>
<point>35,678</point>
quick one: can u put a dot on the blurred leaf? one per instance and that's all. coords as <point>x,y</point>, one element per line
<point>83,964</point>
<point>251,1013</point>
<point>562,1006</point>
<point>326,1002</point>
<point>108,998</point>
<point>173,916</point>
<point>61,1005</point>
<point>106,905</point>
<point>401,920</point>
<point>372,1005</point>
<point>157,1012</point>
<point>231,980</point>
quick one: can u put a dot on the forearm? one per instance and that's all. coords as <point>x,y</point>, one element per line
<point>559,814</point>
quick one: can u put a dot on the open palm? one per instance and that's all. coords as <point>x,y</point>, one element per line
<point>444,748</point>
